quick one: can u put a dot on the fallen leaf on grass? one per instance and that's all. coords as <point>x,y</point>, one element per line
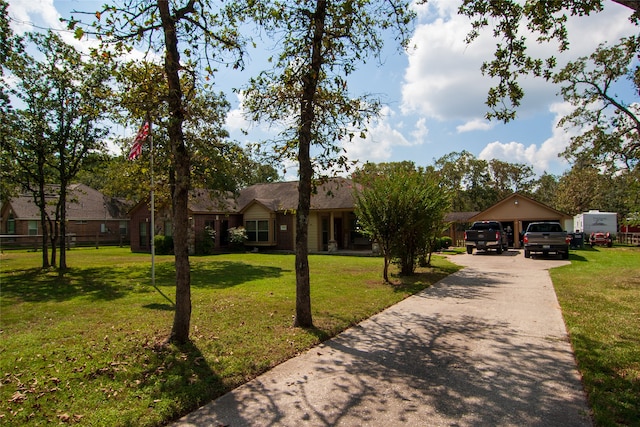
<point>18,397</point>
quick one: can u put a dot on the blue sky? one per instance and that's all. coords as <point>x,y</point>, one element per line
<point>433,95</point>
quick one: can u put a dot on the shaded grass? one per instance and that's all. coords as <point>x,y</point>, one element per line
<point>600,298</point>
<point>89,348</point>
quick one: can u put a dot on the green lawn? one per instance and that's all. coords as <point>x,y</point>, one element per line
<point>89,348</point>
<point>600,298</point>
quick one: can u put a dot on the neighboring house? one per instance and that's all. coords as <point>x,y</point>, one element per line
<point>92,218</point>
<point>267,212</point>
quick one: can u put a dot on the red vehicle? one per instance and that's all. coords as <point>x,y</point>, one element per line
<point>600,239</point>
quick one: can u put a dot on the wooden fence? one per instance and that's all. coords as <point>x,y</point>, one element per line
<point>629,238</point>
<point>18,241</point>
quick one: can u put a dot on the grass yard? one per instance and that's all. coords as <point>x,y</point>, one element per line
<point>88,348</point>
<point>600,298</point>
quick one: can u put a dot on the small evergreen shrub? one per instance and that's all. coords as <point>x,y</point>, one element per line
<point>163,244</point>
<point>446,242</point>
<point>207,242</point>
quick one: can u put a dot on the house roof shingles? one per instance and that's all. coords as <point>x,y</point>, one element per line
<point>208,201</point>
<point>334,194</point>
<point>83,203</point>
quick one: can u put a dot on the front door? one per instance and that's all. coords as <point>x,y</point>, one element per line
<point>337,232</point>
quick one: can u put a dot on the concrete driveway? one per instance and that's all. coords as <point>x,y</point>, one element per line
<point>486,346</point>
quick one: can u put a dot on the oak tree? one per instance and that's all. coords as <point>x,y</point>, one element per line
<point>65,97</point>
<point>320,43</point>
<point>546,19</point>
<point>193,36</point>
<point>609,122</point>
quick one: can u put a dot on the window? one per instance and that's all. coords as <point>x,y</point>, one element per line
<point>257,231</point>
<point>143,235</point>
<point>33,228</point>
<point>224,235</point>
<point>124,228</point>
<point>168,228</point>
<point>11,225</point>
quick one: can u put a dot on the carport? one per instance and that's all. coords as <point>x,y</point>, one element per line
<point>516,212</point>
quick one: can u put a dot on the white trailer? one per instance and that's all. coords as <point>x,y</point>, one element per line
<point>596,221</point>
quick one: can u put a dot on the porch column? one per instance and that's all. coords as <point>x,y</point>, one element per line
<point>517,227</point>
<point>333,244</point>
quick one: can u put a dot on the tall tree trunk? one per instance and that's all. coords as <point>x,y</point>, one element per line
<point>303,283</point>
<point>53,237</point>
<point>62,211</point>
<point>305,134</point>
<point>181,160</point>
<point>385,271</point>
<point>42,204</point>
<point>45,241</point>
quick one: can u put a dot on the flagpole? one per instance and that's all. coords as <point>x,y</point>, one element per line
<point>153,219</point>
<point>153,212</point>
<point>145,134</point>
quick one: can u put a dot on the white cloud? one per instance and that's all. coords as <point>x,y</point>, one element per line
<point>443,79</point>
<point>236,120</point>
<point>39,15</point>
<point>421,131</point>
<point>382,137</point>
<point>543,158</point>
<point>475,124</point>
<point>26,13</point>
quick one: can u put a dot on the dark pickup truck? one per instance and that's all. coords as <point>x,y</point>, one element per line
<point>485,235</point>
<point>545,238</point>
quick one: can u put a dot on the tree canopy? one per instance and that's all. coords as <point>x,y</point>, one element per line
<point>194,38</point>
<point>402,209</point>
<point>546,20</point>
<point>320,43</point>
<point>610,123</point>
<point>59,123</point>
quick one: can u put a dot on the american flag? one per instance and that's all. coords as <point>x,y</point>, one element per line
<point>141,137</point>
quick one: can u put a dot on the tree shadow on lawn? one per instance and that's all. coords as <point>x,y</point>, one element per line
<point>614,393</point>
<point>169,379</point>
<point>111,283</point>
<point>160,307</point>
<point>36,285</point>
<point>423,278</point>
<point>181,377</point>
<point>225,274</point>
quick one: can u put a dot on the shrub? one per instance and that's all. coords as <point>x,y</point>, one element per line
<point>207,242</point>
<point>446,242</point>
<point>163,244</point>
<point>237,237</point>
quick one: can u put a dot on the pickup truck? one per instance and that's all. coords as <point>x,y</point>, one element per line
<point>485,235</point>
<point>546,237</point>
